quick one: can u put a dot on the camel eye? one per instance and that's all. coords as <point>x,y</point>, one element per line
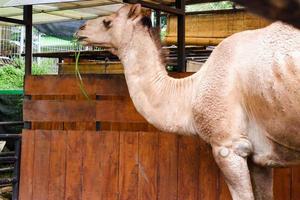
<point>107,23</point>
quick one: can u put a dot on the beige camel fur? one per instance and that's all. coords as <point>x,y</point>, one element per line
<point>245,101</point>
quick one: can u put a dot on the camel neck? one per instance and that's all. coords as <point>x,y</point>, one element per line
<point>163,101</point>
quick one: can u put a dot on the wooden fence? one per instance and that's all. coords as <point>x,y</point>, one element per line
<point>103,149</point>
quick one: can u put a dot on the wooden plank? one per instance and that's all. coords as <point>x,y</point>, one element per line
<point>68,85</point>
<point>147,185</point>
<point>86,125</point>
<point>91,167</point>
<point>167,166</point>
<point>101,162</point>
<point>224,193</point>
<point>46,125</point>
<point>58,110</point>
<point>295,193</point>
<point>282,184</point>
<point>74,165</point>
<point>208,174</point>
<point>26,170</point>
<point>57,85</point>
<point>117,111</point>
<point>80,110</point>
<point>41,165</point>
<point>57,174</point>
<point>128,167</point>
<point>188,167</point>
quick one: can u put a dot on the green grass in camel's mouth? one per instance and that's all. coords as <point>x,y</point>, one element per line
<point>77,71</point>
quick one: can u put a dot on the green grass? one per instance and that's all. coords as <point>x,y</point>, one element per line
<point>210,6</point>
<point>12,76</point>
<point>77,71</point>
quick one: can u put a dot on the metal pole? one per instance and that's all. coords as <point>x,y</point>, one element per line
<point>28,41</point>
<point>157,19</point>
<point>181,60</point>
<point>16,172</point>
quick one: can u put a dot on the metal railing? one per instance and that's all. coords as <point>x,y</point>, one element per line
<point>10,161</point>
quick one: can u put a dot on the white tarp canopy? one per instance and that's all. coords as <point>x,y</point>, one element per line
<point>8,3</point>
<point>66,10</point>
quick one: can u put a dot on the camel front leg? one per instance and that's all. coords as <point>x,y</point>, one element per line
<point>233,164</point>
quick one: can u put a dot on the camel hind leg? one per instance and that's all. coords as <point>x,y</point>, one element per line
<point>262,181</point>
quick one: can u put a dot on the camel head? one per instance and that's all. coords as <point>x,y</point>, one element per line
<point>111,31</point>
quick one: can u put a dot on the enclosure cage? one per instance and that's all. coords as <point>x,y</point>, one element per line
<point>100,147</point>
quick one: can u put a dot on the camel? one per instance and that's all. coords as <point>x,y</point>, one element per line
<point>244,101</point>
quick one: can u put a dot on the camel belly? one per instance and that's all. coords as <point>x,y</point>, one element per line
<point>278,114</point>
<point>271,97</point>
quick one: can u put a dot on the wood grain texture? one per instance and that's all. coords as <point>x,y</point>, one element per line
<point>167,166</point>
<point>80,111</point>
<point>128,167</point>
<point>41,165</point>
<point>188,168</point>
<point>117,111</point>
<point>57,171</point>
<point>58,110</point>
<point>208,174</point>
<point>295,190</point>
<point>91,166</point>
<point>26,169</point>
<point>148,164</point>
<point>113,85</point>
<point>101,164</point>
<point>223,191</point>
<point>74,165</point>
<point>282,184</point>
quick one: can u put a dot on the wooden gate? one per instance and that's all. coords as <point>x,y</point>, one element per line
<point>103,149</point>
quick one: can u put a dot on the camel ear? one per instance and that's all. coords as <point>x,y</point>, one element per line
<point>135,11</point>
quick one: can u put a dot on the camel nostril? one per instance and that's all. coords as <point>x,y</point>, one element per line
<point>82,27</point>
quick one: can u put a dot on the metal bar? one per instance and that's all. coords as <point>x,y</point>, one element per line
<point>12,123</point>
<point>157,19</point>
<point>10,153</point>
<point>10,136</point>
<point>8,159</point>
<point>28,42</point>
<point>16,172</point>
<point>224,11</point>
<point>190,2</point>
<point>11,20</point>
<point>7,169</point>
<point>37,11</point>
<point>181,64</point>
<point>6,181</point>
<point>160,7</point>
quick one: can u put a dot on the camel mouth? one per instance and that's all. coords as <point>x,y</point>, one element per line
<point>81,38</point>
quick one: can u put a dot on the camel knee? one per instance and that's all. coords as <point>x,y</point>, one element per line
<point>241,147</point>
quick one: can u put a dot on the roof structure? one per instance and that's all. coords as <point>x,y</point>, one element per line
<point>30,12</point>
<point>47,11</point>
<point>66,11</point>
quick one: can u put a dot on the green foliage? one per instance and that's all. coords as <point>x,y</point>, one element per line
<point>210,6</point>
<point>12,76</point>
